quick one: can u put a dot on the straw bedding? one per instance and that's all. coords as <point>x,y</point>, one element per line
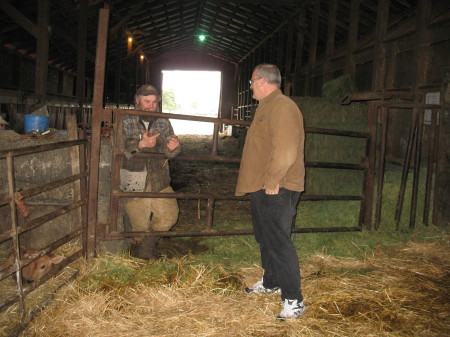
<point>397,291</point>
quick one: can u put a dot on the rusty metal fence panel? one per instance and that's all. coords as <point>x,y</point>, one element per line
<point>110,230</point>
<point>16,229</point>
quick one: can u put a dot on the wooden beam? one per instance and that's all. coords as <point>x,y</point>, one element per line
<point>379,52</point>
<point>42,50</point>
<point>288,67</point>
<point>22,20</point>
<point>301,23</point>
<point>331,36</point>
<point>81,55</point>
<point>422,53</point>
<point>352,36</point>
<point>441,211</point>
<point>313,48</point>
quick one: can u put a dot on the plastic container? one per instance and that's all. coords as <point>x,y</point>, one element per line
<point>35,123</point>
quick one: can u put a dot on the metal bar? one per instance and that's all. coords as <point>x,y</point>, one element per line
<point>381,165</point>
<point>41,148</point>
<point>41,220</point>
<point>415,187</point>
<point>378,96</point>
<point>370,172</point>
<point>97,107</point>
<point>209,214</point>
<point>39,189</point>
<point>409,149</point>
<point>116,235</point>
<point>226,197</point>
<point>430,166</point>
<point>14,228</point>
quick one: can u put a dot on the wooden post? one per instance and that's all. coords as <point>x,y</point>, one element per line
<point>81,57</point>
<point>288,67</point>
<point>299,52</point>
<point>421,48</point>
<point>379,52</point>
<point>41,72</point>
<point>331,35</point>
<point>313,49</point>
<point>352,36</point>
<point>441,209</point>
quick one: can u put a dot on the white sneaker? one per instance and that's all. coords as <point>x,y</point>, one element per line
<point>259,288</point>
<point>291,309</point>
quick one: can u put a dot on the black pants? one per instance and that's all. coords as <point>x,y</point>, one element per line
<point>272,223</point>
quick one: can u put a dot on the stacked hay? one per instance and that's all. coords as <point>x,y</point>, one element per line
<point>327,112</point>
<point>393,293</point>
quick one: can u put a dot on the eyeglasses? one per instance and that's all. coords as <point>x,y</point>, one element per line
<point>253,80</point>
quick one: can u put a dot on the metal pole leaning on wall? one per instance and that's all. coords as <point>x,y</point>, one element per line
<point>97,108</point>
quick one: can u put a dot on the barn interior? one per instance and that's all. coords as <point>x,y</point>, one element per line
<point>371,79</point>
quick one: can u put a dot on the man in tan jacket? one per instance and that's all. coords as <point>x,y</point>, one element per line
<point>273,173</point>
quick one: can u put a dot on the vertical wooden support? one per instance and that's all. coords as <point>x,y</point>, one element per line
<point>313,49</point>
<point>288,67</point>
<point>352,36</point>
<point>299,52</point>
<point>421,49</point>
<point>97,108</point>
<point>441,209</point>
<point>81,52</point>
<point>118,67</point>
<point>74,151</point>
<point>379,52</point>
<point>42,50</point>
<point>14,225</point>
<point>331,35</point>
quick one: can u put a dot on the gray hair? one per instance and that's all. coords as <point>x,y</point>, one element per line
<point>270,72</point>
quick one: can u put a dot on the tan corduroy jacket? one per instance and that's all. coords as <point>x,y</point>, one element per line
<point>274,147</point>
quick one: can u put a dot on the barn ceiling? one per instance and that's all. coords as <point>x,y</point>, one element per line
<point>232,28</point>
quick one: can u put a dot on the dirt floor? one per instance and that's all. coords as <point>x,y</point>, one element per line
<point>204,177</point>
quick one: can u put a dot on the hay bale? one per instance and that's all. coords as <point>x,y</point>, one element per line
<point>336,89</point>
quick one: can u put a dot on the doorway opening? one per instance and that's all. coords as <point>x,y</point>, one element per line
<point>195,93</point>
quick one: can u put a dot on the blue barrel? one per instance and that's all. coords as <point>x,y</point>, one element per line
<point>35,123</point>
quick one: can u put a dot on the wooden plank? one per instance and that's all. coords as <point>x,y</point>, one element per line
<point>422,53</point>
<point>42,50</point>
<point>352,36</point>
<point>72,132</point>
<point>379,52</point>
<point>441,202</point>
<point>331,36</point>
<point>288,67</point>
<point>81,55</point>
<point>313,48</point>
<point>301,23</point>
